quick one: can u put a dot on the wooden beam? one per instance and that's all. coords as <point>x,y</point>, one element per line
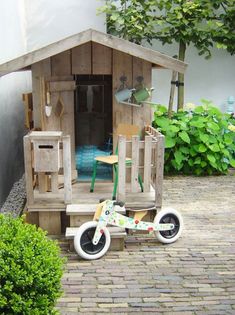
<point>67,170</point>
<point>121,191</point>
<point>107,40</point>
<point>159,171</point>
<point>58,86</point>
<point>135,164</point>
<point>45,52</point>
<point>28,170</point>
<point>147,163</point>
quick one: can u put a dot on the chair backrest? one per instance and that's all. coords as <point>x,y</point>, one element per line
<point>127,130</point>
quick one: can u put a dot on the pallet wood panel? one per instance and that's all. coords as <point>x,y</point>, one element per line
<point>67,170</point>
<point>159,171</point>
<point>142,116</point>
<point>101,59</point>
<point>122,66</point>
<point>50,222</point>
<point>28,170</point>
<point>39,69</point>
<point>81,59</point>
<point>58,86</point>
<point>135,164</point>
<point>68,123</point>
<point>28,110</point>
<point>61,63</point>
<point>147,163</point>
<point>121,190</point>
<point>144,53</point>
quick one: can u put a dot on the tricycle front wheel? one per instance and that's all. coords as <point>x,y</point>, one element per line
<point>169,215</point>
<point>83,241</point>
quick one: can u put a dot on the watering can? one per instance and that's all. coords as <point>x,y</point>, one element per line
<point>123,95</point>
<point>142,95</point>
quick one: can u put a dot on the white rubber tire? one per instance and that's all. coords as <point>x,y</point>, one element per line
<point>158,219</point>
<point>77,241</point>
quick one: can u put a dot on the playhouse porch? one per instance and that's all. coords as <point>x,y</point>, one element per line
<point>68,203</point>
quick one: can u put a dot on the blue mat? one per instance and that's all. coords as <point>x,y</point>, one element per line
<point>85,156</point>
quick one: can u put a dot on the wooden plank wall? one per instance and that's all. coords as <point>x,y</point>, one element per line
<point>132,68</point>
<point>89,58</point>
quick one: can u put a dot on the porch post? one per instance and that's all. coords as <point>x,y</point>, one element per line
<point>159,171</point>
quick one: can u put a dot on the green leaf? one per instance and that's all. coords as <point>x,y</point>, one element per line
<point>202,148</point>
<point>203,164</point>
<point>174,128</point>
<point>232,163</point>
<point>214,147</point>
<point>163,122</point>
<point>197,123</point>
<point>184,150</point>
<point>190,162</point>
<point>213,126</point>
<point>204,137</point>
<point>169,142</point>
<point>211,158</point>
<point>199,109</point>
<point>192,152</point>
<point>178,157</point>
<point>184,136</point>
<point>197,160</point>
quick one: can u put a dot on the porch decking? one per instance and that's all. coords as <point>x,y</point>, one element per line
<point>81,195</point>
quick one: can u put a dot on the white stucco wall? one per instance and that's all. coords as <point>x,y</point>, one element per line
<point>11,88</point>
<point>212,79</point>
<point>48,21</point>
<point>26,25</point>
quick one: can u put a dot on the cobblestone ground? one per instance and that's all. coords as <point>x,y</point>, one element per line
<point>195,275</point>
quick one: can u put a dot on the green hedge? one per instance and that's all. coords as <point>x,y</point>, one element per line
<point>198,140</point>
<point>30,269</point>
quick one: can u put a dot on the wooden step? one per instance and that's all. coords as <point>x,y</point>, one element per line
<point>118,236</point>
<point>81,213</point>
<point>85,209</point>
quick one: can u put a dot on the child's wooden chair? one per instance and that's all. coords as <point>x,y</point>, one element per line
<point>125,130</point>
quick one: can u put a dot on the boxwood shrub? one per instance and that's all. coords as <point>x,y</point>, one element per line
<point>30,269</point>
<point>199,141</point>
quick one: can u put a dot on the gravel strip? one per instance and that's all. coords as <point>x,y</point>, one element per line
<point>15,201</point>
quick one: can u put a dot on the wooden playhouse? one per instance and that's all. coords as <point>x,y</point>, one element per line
<point>73,104</point>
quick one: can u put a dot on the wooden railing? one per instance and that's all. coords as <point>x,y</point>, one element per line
<point>147,159</point>
<point>30,173</point>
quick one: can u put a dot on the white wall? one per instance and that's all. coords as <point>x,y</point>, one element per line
<point>26,25</point>
<point>11,88</point>
<point>48,21</point>
<point>212,79</point>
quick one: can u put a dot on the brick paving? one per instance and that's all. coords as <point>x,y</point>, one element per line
<point>195,275</point>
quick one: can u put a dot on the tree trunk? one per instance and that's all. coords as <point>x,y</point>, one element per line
<point>172,93</point>
<point>182,49</point>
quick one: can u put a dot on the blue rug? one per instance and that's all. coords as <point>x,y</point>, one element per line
<point>85,156</point>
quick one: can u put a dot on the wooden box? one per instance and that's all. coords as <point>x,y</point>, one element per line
<point>46,148</point>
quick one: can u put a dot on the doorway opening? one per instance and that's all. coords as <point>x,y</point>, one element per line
<point>93,124</point>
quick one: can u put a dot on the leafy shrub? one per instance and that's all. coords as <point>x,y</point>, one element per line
<point>30,269</point>
<point>198,141</point>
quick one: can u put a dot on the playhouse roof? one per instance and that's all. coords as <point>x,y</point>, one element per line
<point>155,57</point>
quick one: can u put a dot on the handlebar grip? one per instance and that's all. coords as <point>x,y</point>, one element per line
<point>119,203</point>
